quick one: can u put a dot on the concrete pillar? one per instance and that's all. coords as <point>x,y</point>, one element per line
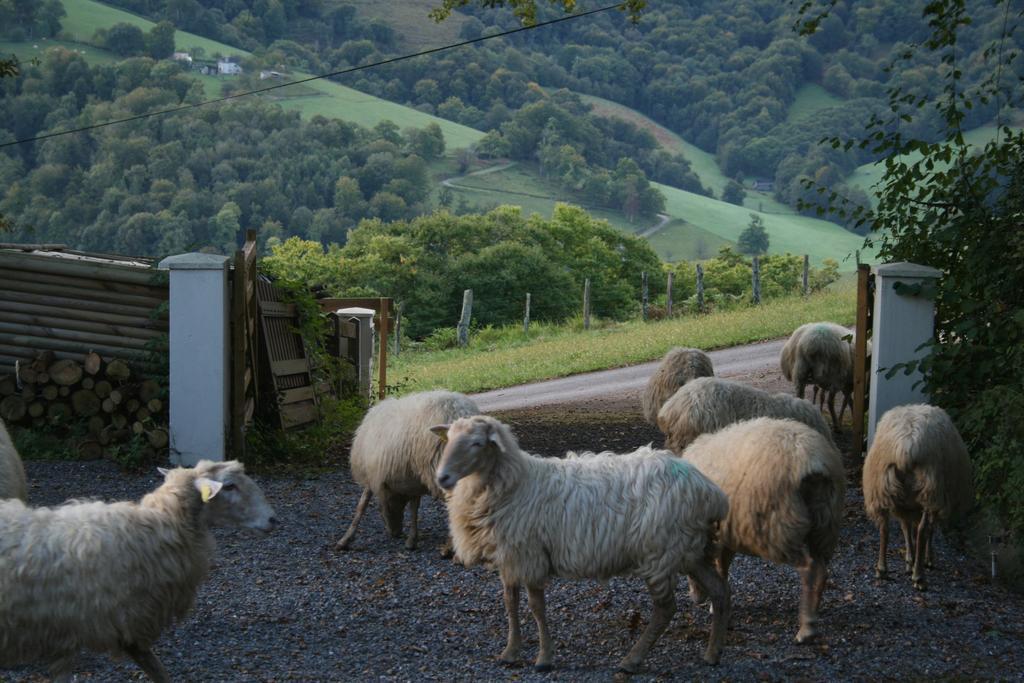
<point>903,321</point>
<point>200,341</point>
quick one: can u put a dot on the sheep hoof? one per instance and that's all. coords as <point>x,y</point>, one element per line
<point>712,659</point>
<point>542,668</point>
<point>342,545</point>
<point>629,667</point>
<point>805,634</point>
<point>881,573</point>
<point>410,544</point>
<point>920,585</point>
<point>447,551</point>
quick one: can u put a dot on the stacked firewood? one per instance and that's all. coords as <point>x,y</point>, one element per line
<point>101,404</point>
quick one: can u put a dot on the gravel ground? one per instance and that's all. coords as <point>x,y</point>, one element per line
<point>288,607</point>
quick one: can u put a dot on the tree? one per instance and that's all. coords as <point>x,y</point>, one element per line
<point>753,240</point>
<point>526,10</point>
<point>160,40</point>
<point>125,40</point>
<point>958,208</point>
<point>734,193</point>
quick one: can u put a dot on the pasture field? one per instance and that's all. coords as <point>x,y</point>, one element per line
<point>508,357</point>
<point>868,176</point>
<point>787,232</point>
<point>328,98</point>
<point>416,31</point>
<point>809,99</point>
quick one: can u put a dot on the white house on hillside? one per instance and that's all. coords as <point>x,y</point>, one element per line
<point>227,68</point>
<point>182,57</point>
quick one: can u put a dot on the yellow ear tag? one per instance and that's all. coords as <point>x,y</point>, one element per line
<point>206,491</point>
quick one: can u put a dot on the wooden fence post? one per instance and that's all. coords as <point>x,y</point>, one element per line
<point>668,295</point>
<point>643,294</point>
<point>860,366</point>
<point>586,304</point>
<point>755,278</point>
<point>700,288</point>
<point>807,270</point>
<point>526,318</point>
<point>467,312</point>
<point>398,328</point>
<point>382,377</point>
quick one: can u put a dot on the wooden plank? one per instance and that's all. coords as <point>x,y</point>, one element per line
<point>860,368</point>
<point>157,292</point>
<point>295,395</point>
<point>298,414</point>
<point>85,339</point>
<point>75,293</point>
<point>33,307</point>
<point>44,343</point>
<point>82,268</point>
<point>277,309</point>
<point>294,366</point>
<point>80,325</point>
<point>64,302</point>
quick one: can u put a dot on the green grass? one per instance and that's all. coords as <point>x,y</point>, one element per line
<point>409,19</point>
<point>787,232</point>
<point>329,99</point>
<point>868,176</point>
<point>680,240</point>
<point>35,49</point>
<point>809,99</point>
<point>559,351</point>
<point>522,186</point>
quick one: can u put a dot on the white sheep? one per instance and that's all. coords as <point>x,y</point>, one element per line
<point>822,355</point>
<point>917,470</point>
<point>645,514</point>
<point>708,404</point>
<point>394,457</point>
<point>785,483</point>
<point>12,473</point>
<point>678,367</point>
<point>110,577</point>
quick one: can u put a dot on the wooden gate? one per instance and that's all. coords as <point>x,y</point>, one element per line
<point>290,369</point>
<point>865,307</point>
<point>244,331</point>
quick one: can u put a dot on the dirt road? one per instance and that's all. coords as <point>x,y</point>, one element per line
<point>624,384</point>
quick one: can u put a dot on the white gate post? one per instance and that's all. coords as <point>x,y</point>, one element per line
<point>902,323</point>
<point>200,343</point>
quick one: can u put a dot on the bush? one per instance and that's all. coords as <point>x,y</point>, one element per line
<point>442,338</point>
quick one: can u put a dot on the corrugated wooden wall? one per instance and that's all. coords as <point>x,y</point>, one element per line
<point>72,303</point>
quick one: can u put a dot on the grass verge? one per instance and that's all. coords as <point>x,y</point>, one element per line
<point>510,358</point>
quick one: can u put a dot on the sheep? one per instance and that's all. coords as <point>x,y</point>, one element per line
<point>12,473</point>
<point>918,470</point>
<point>819,354</point>
<point>785,483</point>
<point>110,577</point>
<point>646,514</point>
<point>394,457</point>
<point>708,404</point>
<point>677,368</point>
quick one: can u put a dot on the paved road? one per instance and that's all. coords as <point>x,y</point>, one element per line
<point>738,360</point>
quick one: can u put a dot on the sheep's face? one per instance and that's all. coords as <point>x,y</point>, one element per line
<point>471,446</point>
<point>231,498</point>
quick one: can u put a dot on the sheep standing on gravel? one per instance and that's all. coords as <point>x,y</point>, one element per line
<point>677,368</point>
<point>645,514</point>
<point>820,354</point>
<point>110,577</point>
<point>708,404</point>
<point>12,473</point>
<point>394,457</point>
<point>918,470</point>
<point>785,483</point>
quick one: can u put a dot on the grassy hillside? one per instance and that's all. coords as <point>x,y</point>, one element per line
<point>409,19</point>
<point>699,225</point>
<point>868,176</point>
<point>787,232</point>
<point>331,99</point>
<point>809,99</point>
